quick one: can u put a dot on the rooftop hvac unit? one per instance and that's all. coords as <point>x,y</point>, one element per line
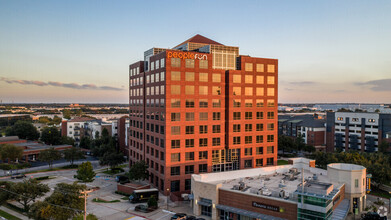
<point>236,187</point>
<point>282,194</point>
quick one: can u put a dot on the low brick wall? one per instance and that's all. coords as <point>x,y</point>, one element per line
<point>128,188</point>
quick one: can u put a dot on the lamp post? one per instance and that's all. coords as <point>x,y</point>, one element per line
<point>168,191</point>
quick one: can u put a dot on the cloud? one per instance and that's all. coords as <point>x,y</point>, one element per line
<point>380,85</point>
<point>303,83</point>
<point>60,84</point>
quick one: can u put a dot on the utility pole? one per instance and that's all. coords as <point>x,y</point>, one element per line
<point>85,195</point>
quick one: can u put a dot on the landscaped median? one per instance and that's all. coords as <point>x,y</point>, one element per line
<point>104,201</point>
<point>8,216</point>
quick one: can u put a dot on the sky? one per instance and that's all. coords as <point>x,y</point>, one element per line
<point>79,51</point>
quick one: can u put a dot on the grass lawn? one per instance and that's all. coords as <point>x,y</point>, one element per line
<point>104,201</point>
<point>8,216</point>
<point>125,198</point>
<point>282,162</point>
<point>53,169</point>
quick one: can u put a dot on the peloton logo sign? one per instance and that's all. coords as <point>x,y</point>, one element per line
<point>187,55</point>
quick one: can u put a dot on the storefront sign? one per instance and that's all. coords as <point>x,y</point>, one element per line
<point>267,207</point>
<point>368,183</point>
<point>186,55</point>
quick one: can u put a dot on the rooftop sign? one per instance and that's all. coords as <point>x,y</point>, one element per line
<point>186,55</point>
<point>268,207</point>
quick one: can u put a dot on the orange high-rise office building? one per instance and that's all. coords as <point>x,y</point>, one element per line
<point>201,107</point>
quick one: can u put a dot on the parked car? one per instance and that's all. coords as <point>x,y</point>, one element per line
<point>200,219</point>
<point>372,216</point>
<point>17,176</point>
<point>179,216</point>
<point>191,217</point>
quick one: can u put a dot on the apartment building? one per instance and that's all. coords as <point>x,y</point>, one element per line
<point>201,107</point>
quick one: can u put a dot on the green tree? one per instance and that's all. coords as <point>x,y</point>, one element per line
<point>85,172</point>
<point>44,120</point>
<point>85,142</point>
<point>49,155</point>
<point>4,194</point>
<point>285,143</point>
<point>81,217</point>
<point>72,154</point>
<point>24,130</point>
<point>384,146</point>
<point>28,191</point>
<point>50,136</point>
<point>66,113</point>
<point>64,203</point>
<point>112,159</point>
<point>10,152</point>
<point>309,148</point>
<point>67,140</point>
<point>299,142</point>
<point>152,202</point>
<point>105,136</point>
<point>56,120</point>
<point>138,171</point>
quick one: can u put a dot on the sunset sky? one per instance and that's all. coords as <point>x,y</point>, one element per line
<point>79,51</point>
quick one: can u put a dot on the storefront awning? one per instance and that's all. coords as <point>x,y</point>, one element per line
<point>208,204</point>
<point>243,212</point>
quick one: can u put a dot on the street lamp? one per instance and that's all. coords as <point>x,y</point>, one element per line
<point>168,191</point>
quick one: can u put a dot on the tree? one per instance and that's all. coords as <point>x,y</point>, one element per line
<point>4,194</point>
<point>49,155</point>
<point>67,140</point>
<point>72,154</point>
<point>85,172</point>
<point>152,202</point>
<point>50,136</point>
<point>299,142</point>
<point>138,171</point>
<point>309,148</point>
<point>10,152</point>
<point>89,217</point>
<point>56,120</point>
<point>66,113</point>
<point>85,142</point>
<point>383,147</point>
<point>285,143</point>
<point>64,203</point>
<point>105,136</point>
<point>27,191</point>
<point>112,159</point>
<point>44,120</point>
<point>24,130</point>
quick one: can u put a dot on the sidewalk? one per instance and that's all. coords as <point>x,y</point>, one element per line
<point>16,214</point>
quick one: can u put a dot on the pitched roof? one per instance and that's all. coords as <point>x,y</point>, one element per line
<point>200,39</point>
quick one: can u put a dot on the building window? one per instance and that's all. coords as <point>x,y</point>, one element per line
<point>216,129</point>
<point>203,103</point>
<point>248,140</point>
<point>259,102</point>
<point>188,184</point>
<point>189,156</point>
<point>216,103</point>
<point>189,129</point>
<point>203,77</point>
<point>236,103</point>
<point>236,140</point>
<point>270,103</point>
<point>203,116</point>
<point>175,103</point>
<point>175,171</point>
<point>260,79</point>
<point>237,91</point>
<point>237,78</point>
<point>175,157</point>
<point>248,163</point>
<point>248,91</point>
<point>270,80</point>
<point>270,127</point>
<point>248,115</point>
<point>248,151</point>
<point>175,89</point>
<point>189,63</point>
<point>248,127</point>
<point>203,64</point>
<point>248,103</point>
<point>162,62</point>
<point>356,183</point>
<point>259,162</point>
<point>260,67</point>
<point>216,116</point>
<point>248,67</point>
<point>270,115</point>
<point>203,155</point>
<point>270,91</point>
<point>189,90</point>
<point>189,143</point>
<point>203,90</point>
<point>236,128</point>
<point>175,185</point>
<point>270,68</point>
<point>216,142</point>
<point>189,103</point>
<point>189,116</point>
<point>270,149</point>
<point>216,77</point>
<point>259,92</point>
<point>175,62</point>
<point>216,90</point>
<point>203,129</point>
<point>203,168</point>
<point>248,79</point>
<point>259,115</point>
<point>189,169</point>
<point>259,151</point>
<point>175,144</point>
<point>175,130</point>
<point>175,116</point>
<point>236,115</point>
<point>175,76</point>
<point>203,142</point>
<point>270,161</point>
<point>270,138</point>
<point>189,76</point>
